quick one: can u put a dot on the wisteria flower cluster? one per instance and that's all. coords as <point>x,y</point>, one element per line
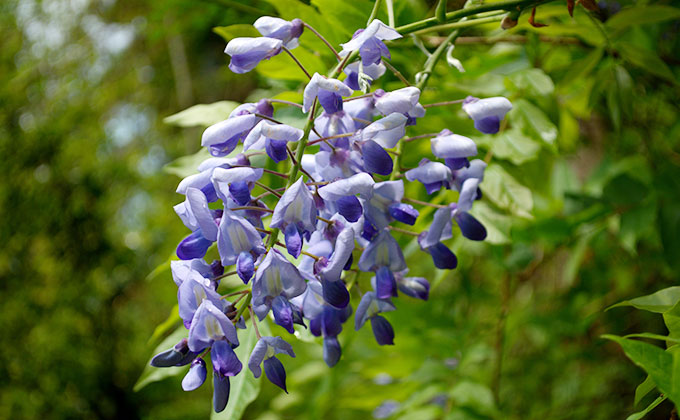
<point>342,203</point>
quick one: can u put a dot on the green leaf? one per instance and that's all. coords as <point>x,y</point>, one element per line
<point>652,336</point>
<point>534,80</point>
<point>624,189</point>
<point>497,225</point>
<point>235,31</point>
<point>536,121</point>
<point>643,389</point>
<point>186,165</point>
<point>202,115</point>
<point>244,386</point>
<point>645,59</point>
<point>153,374</point>
<point>672,320</point>
<point>475,396</point>
<point>505,192</point>
<point>282,66</point>
<point>165,326</point>
<point>658,302</point>
<point>650,407</point>
<point>640,15</point>
<point>512,145</point>
<point>662,366</point>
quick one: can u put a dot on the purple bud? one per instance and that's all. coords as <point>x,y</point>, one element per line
<point>265,108</point>
<point>416,287</point>
<point>293,240</point>
<point>246,53</point>
<point>376,159</point>
<point>382,330</point>
<point>224,360</point>
<point>220,392</point>
<point>179,355</point>
<point>275,372</point>
<point>331,325</point>
<point>245,266</point>
<point>283,313</point>
<point>404,213</point>
<point>276,149</point>
<point>193,246</point>
<point>196,375</point>
<point>335,293</point>
<point>470,227</point>
<point>385,285</point>
<point>443,257</point>
<point>457,163</point>
<point>331,351</point>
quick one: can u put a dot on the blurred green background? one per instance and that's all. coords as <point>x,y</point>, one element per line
<point>582,204</point>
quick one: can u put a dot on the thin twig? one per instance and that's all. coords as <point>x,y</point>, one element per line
<point>267,118</point>
<point>252,318</point>
<point>421,136</point>
<point>269,171</point>
<point>423,203</point>
<point>337,136</point>
<point>262,209</point>
<point>458,101</point>
<point>400,230</point>
<point>325,41</point>
<point>281,101</point>
<point>396,72</point>
<point>263,186</point>
<point>297,62</point>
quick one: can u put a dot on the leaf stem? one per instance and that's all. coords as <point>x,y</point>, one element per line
<point>325,41</point>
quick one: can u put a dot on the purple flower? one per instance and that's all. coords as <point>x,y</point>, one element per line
<point>209,324</point>
<point>370,43</point>
<point>246,53</point>
<point>296,206</point>
<point>265,350</point>
<point>402,100</point>
<point>191,294</point>
<point>487,113</point>
<point>237,235</point>
<point>223,179</point>
<point>286,31</point>
<point>196,375</point>
<point>386,131</point>
<point>223,137</point>
<point>369,73</point>
<point>452,146</point>
<point>433,175</point>
<point>272,138</point>
<point>382,251</point>
<point>319,83</point>
<point>276,276</point>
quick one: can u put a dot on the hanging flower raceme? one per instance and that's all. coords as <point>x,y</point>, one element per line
<point>338,217</point>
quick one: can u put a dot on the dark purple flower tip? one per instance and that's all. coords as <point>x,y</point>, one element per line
<point>331,325</point>
<point>196,375</point>
<point>330,101</point>
<point>315,326</point>
<point>376,159</point>
<point>443,257</point>
<point>227,146</point>
<point>297,28</point>
<point>245,266</point>
<point>293,240</point>
<point>405,213</point>
<point>382,330</point>
<point>298,319</point>
<point>470,227</point>
<point>224,360</point>
<point>488,125</point>
<point>348,264</point>
<point>457,163</point>
<point>345,313</point>
<point>331,351</point>
<point>416,287</point>
<point>264,107</point>
<point>240,192</point>
<point>283,313</point>
<point>335,293</point>
<point>350,208</point>
<point>369,230</point>
<point>276,149</point>
<point>385,284</point>
<point>193,246</point>
<point>469,100</point>
<point>220,392</point>
<point>179,355</point>
<point>216,268</point>
<point>275,372</point>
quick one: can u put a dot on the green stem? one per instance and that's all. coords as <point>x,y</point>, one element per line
<point>243,307</point>
<point>469,11</point>
<point>463,24</point>
<point>374,12</point>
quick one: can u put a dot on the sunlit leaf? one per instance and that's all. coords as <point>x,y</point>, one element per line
<point>658,302</point>
<point>202,115</point>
